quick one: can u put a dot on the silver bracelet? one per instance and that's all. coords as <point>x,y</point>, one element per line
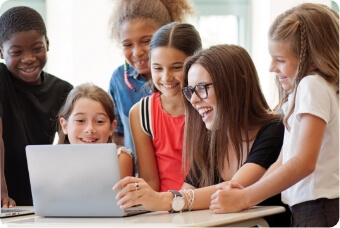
<point>191,199</point>
<point>184,193</point>
<point>189,196</point>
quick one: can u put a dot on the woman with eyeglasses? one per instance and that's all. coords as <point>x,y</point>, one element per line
<point>230,134</point>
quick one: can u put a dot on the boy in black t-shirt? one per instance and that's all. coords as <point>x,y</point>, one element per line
<point>29,99</point>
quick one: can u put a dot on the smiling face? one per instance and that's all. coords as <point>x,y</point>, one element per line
<point>25,55</point>
<point>197,74</point>
<point>135,38</point>
<point>88,123</point>
<point>167,70</point>
<point>284,63</point>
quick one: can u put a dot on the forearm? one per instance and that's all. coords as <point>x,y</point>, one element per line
<point>154,184</point>
<point>203,197</point>
<point>2,163</point>
<point>279,180</point>
<point>125,165</point>
<point>2,157</point>
<point>283,175</point>
<point>147,163</point>
<point>147,169</point>
<point>274,166</point>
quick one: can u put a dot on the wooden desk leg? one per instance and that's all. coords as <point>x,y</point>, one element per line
<point>259,222</point>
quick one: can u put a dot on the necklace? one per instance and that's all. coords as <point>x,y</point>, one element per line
<point>126,79</point>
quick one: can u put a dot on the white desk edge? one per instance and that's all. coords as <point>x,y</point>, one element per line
<point>199,218</point>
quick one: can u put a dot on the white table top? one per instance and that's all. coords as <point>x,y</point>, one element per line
<point>198,218</point>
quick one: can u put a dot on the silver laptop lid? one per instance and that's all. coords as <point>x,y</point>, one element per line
<point>74,180</point>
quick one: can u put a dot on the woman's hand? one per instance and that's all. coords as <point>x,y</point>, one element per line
<point>229,185</point>
<point>135,191</point>
<point>227,198</point>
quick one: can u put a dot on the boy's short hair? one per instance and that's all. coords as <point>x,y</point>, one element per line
<point>19,19</point>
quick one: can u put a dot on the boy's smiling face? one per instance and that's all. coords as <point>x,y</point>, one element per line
<point>25,55</point>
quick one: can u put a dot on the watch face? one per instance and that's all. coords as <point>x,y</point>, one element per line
<point>178,203</point>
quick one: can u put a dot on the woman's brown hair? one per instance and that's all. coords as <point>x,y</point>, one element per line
<point>241,107</point>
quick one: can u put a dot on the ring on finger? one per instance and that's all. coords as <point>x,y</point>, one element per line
<point>136,186</point>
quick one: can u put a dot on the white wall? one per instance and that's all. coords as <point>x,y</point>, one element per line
<point>80,47</point>
<point>260,56</point>
<point>82,51</point>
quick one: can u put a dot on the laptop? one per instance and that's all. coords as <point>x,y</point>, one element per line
<point>10,212</point>
<point>75,180</point>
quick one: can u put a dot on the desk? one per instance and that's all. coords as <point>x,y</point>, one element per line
<point>200,218</point>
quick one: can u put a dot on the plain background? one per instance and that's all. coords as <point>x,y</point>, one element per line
<point>81,49</point>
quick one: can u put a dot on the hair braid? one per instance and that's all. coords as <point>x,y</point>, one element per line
<point>303,52</point>
<point>301,70</point>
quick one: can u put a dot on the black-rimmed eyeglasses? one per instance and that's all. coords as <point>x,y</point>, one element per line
<point>200,90</point>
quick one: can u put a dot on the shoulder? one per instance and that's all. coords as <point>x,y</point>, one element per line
<point>118,71</point>
<point>141,106</point>
<point>3,67</point>
<point>117,78</point>
<point>273,127</point>
<point>314,78</point>
<point>316,96</point>
<point>267,145</point>
<point>315,89</point>
<point>155,97</point>
<point>56,82</point>
<point>118,74</point>
<point>3,72</point>
<point>135,109</point>
<point>269,136</point>
<point>311,83</point>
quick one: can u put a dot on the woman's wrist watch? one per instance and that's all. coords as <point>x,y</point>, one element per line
<point>178,202</point>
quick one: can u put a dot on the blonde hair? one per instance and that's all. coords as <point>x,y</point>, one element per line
<point>312,32</point>
<point>156,12</point>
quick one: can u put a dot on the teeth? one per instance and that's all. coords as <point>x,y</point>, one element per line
<point>202,111</point>
<point>28,70</point>
<point>88,140</point>
<point>169,86</point>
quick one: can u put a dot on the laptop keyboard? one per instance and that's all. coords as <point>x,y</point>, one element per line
<point>6,210</point>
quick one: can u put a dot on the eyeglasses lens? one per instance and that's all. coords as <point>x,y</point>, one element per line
<point>200,90</point>
<point>187,93</point>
